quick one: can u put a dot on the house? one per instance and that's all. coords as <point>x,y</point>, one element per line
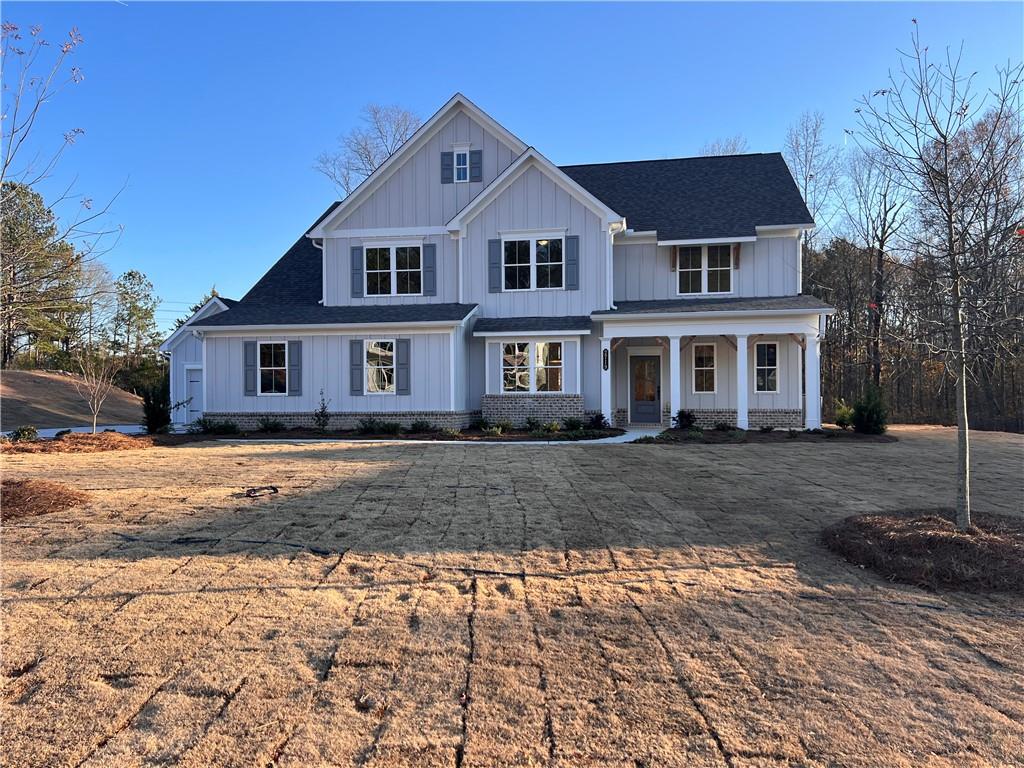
<point>469,275</point>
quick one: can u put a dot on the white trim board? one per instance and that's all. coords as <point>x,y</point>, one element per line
<point>186,326</point>
<point>520,334</point>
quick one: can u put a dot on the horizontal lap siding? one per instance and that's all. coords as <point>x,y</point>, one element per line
<point>325,361</point>
<point>535,202</point>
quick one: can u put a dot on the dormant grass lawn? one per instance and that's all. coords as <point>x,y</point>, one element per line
<point>424,605</point>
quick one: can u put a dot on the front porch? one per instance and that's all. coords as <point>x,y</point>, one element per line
<point>748,373</point>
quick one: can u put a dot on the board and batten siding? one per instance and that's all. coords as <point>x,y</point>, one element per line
<point>188,351</point>
<point>768,267</point>
<point>325,364</point>
<point>534,202</point>
<point>414,195</point>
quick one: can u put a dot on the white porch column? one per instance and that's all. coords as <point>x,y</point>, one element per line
<point>675,398</point>
<point>812,398</point>
<point>742,383</point>
<point>606,379</point>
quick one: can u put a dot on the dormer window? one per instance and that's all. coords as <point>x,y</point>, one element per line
<point>461,165</point>
<point>704,269</point>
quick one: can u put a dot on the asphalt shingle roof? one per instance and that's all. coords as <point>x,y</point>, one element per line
<point>697,197</point>
<point>732,304</point>
<point>256,313</point>
<point>531,324</point>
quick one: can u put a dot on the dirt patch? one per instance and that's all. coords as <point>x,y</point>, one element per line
<point>739,436</point>
<point>925,548</point>
<point>28,498</point>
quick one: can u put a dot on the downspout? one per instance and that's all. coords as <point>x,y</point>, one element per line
<point>613,229</point>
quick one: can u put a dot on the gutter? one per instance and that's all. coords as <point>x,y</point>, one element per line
<point>710,313</point>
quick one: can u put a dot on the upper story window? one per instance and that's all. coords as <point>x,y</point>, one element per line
<point>704,269</point>
<point>531,366</point>
<point>273,365</point>
<point>461,165</point>
<point>533,263</point>
<point>395,270</point>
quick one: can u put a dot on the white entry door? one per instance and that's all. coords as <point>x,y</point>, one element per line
<point>194,394</point>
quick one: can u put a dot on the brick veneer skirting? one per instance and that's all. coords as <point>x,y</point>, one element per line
<point>441,419</point>
<point>756,417</point>
<point>517,407</point>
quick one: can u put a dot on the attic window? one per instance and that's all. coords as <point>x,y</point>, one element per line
<point>461,164</point>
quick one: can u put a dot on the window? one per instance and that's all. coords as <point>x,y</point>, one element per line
<point>515,367</point>
<point>548,371</point>
<point>395,270</point>
<point>766,367</point>
<point>540,371</point>
<point>690,258</point>
<point>704,269</point>
<point>461,165</point>
<point>536,262</point>
<point>273,362</point>
<point>703,368</point>
<point>380,367</point>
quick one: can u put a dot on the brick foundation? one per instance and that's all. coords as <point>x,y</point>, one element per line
<point>440,419</point>
<point>517,407</point>
<point>756,418</point>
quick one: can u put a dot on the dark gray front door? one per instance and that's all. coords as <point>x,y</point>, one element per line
<point>645,389</point>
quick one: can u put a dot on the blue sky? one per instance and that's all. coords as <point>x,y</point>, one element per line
<point>212,114</point>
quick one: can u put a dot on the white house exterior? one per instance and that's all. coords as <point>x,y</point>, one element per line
<point>470,275</point>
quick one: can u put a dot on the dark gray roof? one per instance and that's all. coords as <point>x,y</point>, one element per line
<point>255,313</point>
<point>732,304</point>
<point>227,302</point>
<point>697,197</point>
<point>531,324</point>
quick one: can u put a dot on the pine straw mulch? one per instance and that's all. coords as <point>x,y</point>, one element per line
<point>924,548</point>
<point>28,498</point>
<point>84,442</point>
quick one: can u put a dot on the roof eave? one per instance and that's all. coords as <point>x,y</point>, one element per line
<point>654,315</point>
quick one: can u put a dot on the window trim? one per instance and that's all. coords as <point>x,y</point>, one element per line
<point>694,369</point>
<point>458,149</point>
<point>704,270</point>
<point>777,368</point>
<point>532,238</point>
<point>392,246</point>
<point>260,369</point>
<point>531,347</point>
<point>366,366</point>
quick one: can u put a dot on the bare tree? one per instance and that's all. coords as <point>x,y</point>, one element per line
<point>815,166</point>
<point>361,151</point>
<point>958,155</point>
<point>99,368</point>
<point>731,145</point>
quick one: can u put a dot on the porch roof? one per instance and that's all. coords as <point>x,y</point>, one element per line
<point>790,304</point>
<point>488,326</point>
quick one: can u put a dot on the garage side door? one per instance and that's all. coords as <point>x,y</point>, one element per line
<point>194,392</point>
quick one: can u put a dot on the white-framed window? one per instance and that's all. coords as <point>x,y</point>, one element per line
<point>704,368</point>
<point>273,367</point>
<point>394,270</point>
<point>532,366</point>
<point>766,367</point>
<point>461,164</point>
<point>533,263</point>
<point>704,269</point>
<point>380,366</point>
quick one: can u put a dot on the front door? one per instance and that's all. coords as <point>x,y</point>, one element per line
<point>194,394</point>
<point>645,389</point>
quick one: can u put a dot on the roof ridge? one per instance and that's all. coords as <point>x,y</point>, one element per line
<point>668,159</point>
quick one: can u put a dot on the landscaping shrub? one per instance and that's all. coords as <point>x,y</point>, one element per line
<point>572,424</point>
<point>321,416</point>
<point>24,434</point>
<point>695,433</point>
<point>684,419</point>
<point>390,428</point>
<point>481,424</point>
<point>844,414</point>
<point>368,426</point>
<point>532,424</point>
<point>492,431</point>
<point>156,407</point>
<point>505,425</point>
<point>60,433</point>
<point>723,426</point>
<point>451,432</point>
<point>207,426</point>
<point>766,429</point>
<point>420,426</point>
<point>551,427</point>
<point>598,421</point>
<point>870,414</point>
<point>268,424</point>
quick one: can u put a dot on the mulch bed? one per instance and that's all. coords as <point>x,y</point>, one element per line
<point>739,436</point>
<point>28,498</point>
<point>81,442</point>
<point>467,435</point>
<point>925,548</point>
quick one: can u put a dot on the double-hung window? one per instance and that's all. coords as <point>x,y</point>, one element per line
<point>461,156</point>
<point>380,367</point>
<point>533,263</point>
<point>531,366</point>
<point>273,365</point>
<point>704,269</point>
<point>703,368</point>
<point>766,367</point>
<point>394,270</point>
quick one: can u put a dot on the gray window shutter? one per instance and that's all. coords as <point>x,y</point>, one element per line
<point>355,366</point>
<point>429,269</point>
<point>294,368</point>
<point>250,368</point>
<point>476,165</point>
<point>447,167</point>
<point>357,272</point>
<point>402,376</point>
<point>572,263</point>
<point>494,266</point>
